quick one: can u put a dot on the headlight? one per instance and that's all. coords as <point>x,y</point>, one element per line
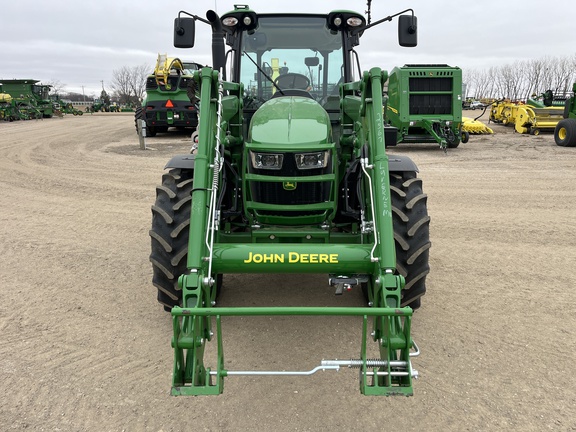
<point>271,161</point>
<point>312,160</point>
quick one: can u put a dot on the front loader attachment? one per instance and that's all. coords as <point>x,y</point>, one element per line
<point>390,375</point>
<point>363,256</point>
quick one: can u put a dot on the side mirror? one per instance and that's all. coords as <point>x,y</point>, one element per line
<point>184,32</point>
<point>312,61</point>
<point>407,30</point>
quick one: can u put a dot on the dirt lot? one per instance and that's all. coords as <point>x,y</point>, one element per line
<point>85,347</point>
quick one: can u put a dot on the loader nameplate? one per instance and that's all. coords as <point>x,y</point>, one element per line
<point>293,258</point>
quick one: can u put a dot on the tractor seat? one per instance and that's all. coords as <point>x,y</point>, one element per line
<point>292,92</point>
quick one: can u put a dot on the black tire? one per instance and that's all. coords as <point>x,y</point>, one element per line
<point>565,133</point>
<point>465,136</point>
<point>139,115</point>
<point>169,233</point>
<point>454,143</point>
<point>411,234</point>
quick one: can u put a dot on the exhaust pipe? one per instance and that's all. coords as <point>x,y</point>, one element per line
<point>218,54</point>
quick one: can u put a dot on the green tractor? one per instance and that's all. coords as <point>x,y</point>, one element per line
<point>291,175</point>
<point>425,104</point>
<point>565,131</point>
<point>167,102</point>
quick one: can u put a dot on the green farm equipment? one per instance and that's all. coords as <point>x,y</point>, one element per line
<point>167,103</point>
<point>6,106</point>
<point>425,104</point>
<point>291,175</point>
<point>64,106</point>
<point>565,131</point>
<point>30,98</point>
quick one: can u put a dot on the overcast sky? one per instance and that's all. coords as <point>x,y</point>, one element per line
<point>80,42</point>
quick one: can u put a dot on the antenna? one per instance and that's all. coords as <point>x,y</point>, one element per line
<point>368,12</point>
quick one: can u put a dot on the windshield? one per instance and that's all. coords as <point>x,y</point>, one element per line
<point>295,52</point>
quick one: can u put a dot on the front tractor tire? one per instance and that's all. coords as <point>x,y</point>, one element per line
<point>565,133</point>
<point>411,234</point>
<point>169,234</point>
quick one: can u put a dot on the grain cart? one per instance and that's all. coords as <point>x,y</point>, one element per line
<point>166,103</point>
<point>425,104</point>
<point>565,131</point>
<point>290,176</point>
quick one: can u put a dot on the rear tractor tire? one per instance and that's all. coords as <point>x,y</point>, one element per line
<point>565,133</point>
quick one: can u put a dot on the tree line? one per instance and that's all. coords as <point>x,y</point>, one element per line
<point>522,79</point>
<point>127,87</point>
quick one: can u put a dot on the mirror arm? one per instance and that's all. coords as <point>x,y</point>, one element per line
<point>180,30</point>
<point>412,29</point>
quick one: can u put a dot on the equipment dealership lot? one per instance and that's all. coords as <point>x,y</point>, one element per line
<point>85,346</point>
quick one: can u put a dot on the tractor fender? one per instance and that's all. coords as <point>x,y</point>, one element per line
<point>183,161</point>
<point>399,163</point>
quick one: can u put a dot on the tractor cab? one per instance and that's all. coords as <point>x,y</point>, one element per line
<point>302,55</point>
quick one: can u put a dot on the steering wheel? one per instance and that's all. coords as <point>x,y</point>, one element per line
<point>294,81</point>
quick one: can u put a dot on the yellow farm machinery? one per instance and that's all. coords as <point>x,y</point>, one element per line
<point>535,116</point>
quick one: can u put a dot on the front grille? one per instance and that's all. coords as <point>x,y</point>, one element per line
<point>279,193</point>
<point>303,193</point>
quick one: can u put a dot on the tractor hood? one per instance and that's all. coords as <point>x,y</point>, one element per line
<point>292,121</point>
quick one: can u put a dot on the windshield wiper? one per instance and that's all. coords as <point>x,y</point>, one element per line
<point>264,73</point>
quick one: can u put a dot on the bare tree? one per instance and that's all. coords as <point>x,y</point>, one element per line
<point>57,86</point>
<point>129,83</point>
<point>524,79</point>
<point>139,75</point>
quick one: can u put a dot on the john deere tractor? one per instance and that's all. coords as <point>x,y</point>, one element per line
<point>565,131</point>
<point>291,175</point>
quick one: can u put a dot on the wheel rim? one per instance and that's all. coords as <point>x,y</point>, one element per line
<point>562,133</point>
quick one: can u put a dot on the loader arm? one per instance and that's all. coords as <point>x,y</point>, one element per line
<point>392,373</point>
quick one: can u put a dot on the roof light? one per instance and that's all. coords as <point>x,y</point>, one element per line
<point>354,21</point>
<point>337,21</point>
<point>247,20</point>
<point>230,21</point>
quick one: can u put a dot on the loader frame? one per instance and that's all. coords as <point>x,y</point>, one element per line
<point>191,323</point>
